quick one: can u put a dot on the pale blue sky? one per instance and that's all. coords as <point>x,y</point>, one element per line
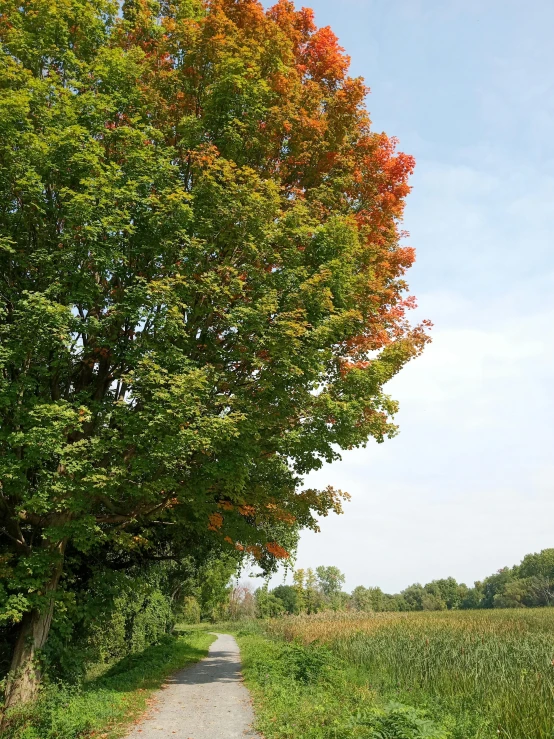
<point>468,485</point>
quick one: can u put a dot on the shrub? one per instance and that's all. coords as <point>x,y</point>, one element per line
<point>114,614</point>
<point>190,612</point>
<point>395,721</point>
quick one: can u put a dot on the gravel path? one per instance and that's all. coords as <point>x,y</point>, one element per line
<point>205,701</point>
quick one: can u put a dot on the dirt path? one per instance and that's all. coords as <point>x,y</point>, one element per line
<point>205,701</point>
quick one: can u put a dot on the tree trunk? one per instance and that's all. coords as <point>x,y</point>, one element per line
<point>24,675</point>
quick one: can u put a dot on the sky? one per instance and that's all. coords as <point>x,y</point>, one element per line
<point>467,487</point>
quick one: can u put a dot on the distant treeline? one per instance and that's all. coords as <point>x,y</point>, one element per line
<point>527,585</point>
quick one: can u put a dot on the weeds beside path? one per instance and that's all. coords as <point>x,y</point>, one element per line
<point>456,674</point>
<point>105,707</point>
<point>307,693</point>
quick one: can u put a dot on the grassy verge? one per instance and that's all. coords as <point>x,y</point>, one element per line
<point>306,692</point>
<point>484,673</point>
<point>104,707</point>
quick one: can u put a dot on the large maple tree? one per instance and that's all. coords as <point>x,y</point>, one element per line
<point>202,291</point>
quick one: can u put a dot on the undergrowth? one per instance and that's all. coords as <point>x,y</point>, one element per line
<point>305,692</point>
<point>104,706</point>
<point>484,673</point>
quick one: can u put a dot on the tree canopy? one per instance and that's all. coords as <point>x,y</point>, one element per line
<point>202,282</point>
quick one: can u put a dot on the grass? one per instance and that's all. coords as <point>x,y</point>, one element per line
<point>446,675</point>
<point>453,675</point>
<point>105,706</point>
<point>476,674</point>
<point>306,692</point>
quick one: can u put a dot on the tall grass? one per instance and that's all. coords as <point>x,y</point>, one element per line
<point>492,672</point>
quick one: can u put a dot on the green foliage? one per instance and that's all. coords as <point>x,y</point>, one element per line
<point>203,291</point>
<point>413,597</point>
<point>214,587</point>
<point>395,721</point>
<point>330,580</point>
<point>316,591</point>
<point>528,584</point>
<point>305,665</point>
<point>447,592</point>
<point>540,564</point>
<point>110,701</point>
<point>373,599</point>
<point>109,615</point>
<point>152,622</point>
<point>268,605</point>
<point>481,673</point>
<point>306,691</point>
<point>191,612</point>
<point>288,596</point>
<point>203,283</point>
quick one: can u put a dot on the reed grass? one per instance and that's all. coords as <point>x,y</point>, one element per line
<point>491,672</point>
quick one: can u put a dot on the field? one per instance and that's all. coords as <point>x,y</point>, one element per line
<point>474,673</point>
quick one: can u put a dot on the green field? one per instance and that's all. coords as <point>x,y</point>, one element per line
<point>479,674</point>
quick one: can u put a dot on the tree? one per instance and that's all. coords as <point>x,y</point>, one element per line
<point>340,601</point>
<point>512,595</point>
<point>361,599</point>
<point>309,597</point>
<point>540,564</point>
<point>494,585</point>
<point>372,599</point>
<point>299,580</point>
<point>396,603</point>
<point>202,286</point>
<point>446,590</point>
<point>463,592</point>
<point>268,604</point>
<point>413,597</point>
<point>432,603</point>
<point>330,580</point>
<point>191,611</point>
<point>313,597</point>
<point>378,599</point>
<point>287,596</point>
<point>242,602</point>
<point>215,589</point>
<point>474,597</point>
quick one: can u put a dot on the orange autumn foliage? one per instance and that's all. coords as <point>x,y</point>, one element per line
<point>215,521</point>
<point>276,550</point>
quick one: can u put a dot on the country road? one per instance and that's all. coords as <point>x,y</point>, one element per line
<point>205,701</point>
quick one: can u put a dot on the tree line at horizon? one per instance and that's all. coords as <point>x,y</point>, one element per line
<point>529,584</point>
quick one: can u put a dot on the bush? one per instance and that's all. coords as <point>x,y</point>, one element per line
<point>395,721</point>
<point>116,614</point>
<point>305,665</point>
<point>191,611</point>
<point>152,622</point>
